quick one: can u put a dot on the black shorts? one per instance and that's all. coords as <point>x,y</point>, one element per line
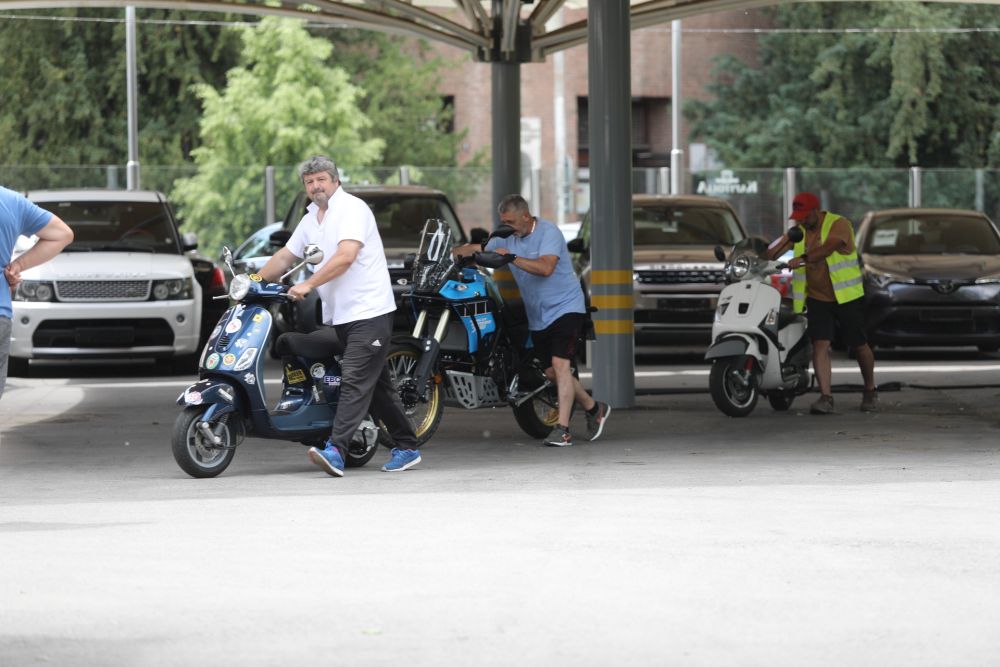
<point>559,339</point>
<point>826,318</point>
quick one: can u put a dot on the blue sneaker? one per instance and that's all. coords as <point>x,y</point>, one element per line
<point>402,459</point>
<point>329,459</point>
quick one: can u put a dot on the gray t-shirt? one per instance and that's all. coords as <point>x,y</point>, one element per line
<point>546,299</point>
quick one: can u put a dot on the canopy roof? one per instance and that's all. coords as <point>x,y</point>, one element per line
<point>494,31</point>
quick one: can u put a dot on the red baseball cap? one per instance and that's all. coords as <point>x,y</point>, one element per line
<point>804,204</point>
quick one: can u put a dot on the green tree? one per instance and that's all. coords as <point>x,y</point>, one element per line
<point>401,81</point>
<point>63,82</point>
<point>874,99</point>
<point>282,104</point>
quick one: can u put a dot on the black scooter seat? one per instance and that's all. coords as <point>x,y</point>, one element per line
<point>322,343</point>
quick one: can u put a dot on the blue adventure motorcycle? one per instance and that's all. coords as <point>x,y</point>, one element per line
<point>480,352</point>
<point>227,403</point>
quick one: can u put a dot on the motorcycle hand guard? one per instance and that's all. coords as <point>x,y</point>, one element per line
<point>494,260</point>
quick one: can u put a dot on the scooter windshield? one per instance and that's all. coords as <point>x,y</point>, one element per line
<point>752,246</point>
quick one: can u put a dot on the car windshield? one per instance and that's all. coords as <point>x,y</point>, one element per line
<point>258,245</point>
<point>401,218</point>
<point>117,226</point>
<point>684,225</point>
<point>932,235</point>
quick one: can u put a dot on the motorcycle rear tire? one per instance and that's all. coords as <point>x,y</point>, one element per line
<point>732,397</point>
<point>191,451</point>
<point>425,416</point>
<point>538,416</point>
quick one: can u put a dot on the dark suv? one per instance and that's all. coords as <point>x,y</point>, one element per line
<point>400,213</point>
<point>676,277</point>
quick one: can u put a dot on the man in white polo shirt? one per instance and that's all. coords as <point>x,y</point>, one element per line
<point>353,283</point>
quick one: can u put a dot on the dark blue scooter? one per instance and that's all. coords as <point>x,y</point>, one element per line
<point>227,403</point>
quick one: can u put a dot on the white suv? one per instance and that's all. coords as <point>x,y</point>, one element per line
<point>123,288</point>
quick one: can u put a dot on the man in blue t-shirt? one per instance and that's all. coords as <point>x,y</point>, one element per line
<point>557,312</point>
<point>18,217</point>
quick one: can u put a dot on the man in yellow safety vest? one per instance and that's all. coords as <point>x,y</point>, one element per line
<point>827,286</point>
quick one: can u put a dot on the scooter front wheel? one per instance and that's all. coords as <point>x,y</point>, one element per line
<point>194,452</point>
<point>733,385</point>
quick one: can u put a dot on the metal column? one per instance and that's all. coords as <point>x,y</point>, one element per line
<point>506,133</point>
<point>610,118</point>
<point>131,101</point>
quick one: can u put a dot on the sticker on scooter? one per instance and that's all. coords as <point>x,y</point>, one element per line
<point>249,378</point>
<point>317,371</point>
<point>258,317</point>
<point>255,277</point>
<point>295,375</point>
<point>233,326</point>
<point>332,380</point>
<point>212,361</point>
<point>229,359</point>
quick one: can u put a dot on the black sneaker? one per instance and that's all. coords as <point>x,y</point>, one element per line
<point>596,421</point>
<point>559,437</point>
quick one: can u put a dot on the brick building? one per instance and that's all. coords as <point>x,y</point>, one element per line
<point>467,84</point>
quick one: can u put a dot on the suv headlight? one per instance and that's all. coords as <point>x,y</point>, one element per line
<point>173,289</point>
<point>35,290</point>
<point>988,280</point>
<point>884,278</point>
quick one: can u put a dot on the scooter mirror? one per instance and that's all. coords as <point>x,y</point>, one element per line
<point>313,254</point>
<point>720,254</point>
<point>795,234</point>
<point>227,259</point>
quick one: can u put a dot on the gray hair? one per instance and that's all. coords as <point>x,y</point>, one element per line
<point>316,164</point>
<point>515,203</point>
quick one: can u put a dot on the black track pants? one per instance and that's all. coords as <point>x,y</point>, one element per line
<point>365,385</point>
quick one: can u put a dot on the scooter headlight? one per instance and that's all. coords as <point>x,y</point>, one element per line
<point>239,287</point>
<point>741,267</point>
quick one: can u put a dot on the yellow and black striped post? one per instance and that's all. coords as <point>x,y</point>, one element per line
<point>610,164</point>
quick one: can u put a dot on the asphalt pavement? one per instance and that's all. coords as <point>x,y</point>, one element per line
<point>681,537</point>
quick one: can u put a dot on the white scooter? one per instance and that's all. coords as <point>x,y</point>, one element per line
<point>759,345</point>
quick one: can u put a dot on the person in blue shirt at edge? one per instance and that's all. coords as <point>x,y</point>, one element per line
<point>19,216</point>
<point>827,285</point>
<point>557,312</point>
<point>354,287</point>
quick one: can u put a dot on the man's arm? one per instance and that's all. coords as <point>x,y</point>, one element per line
<point>543,266</point>
<point>52,238</point>
<point>347,252</point>
<point>838,240</point>
<point>280,262</point>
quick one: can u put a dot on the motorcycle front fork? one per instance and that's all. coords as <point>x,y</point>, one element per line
<point>430,347</point>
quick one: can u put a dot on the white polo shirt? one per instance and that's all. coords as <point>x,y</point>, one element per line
<point>364,291</point>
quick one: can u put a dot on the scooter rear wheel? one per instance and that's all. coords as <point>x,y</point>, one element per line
<point>733,386</point>
<point>194,453</point>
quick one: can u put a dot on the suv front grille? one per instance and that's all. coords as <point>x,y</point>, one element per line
<point>102,290</point>
<point>681,276</point>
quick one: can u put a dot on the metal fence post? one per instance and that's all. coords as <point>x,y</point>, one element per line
<point>790,187</point>
<point>269,214</point>
<point>981,190</point>
<point>404,175</point>
<point>916,196</point>
<point>663,182</point>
